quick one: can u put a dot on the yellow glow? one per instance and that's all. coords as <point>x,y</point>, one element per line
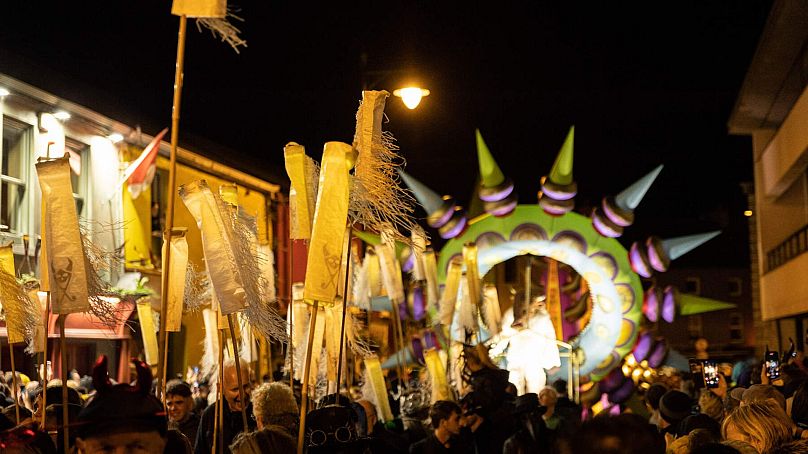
<point>630,360</point>
<point>644,363</point>
<point>636,374</point>
<point>646,374</point>
<point>411,96</point>
<point>4,92</point>
<point>626,370</point>
<point>747,213</point>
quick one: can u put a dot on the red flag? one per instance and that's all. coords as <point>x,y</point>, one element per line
<point>140,173</point>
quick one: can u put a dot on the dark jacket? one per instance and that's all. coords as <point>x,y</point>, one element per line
<point>189,427</point>
<point>231,427</point>
<point>523,442</point>
<point>431,445</point>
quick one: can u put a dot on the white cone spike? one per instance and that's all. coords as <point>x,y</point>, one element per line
<point>679,246</point>
<point>429,199</point>
<point>630,198</point>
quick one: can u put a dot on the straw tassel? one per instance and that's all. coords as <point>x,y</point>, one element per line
<point>377,199</point>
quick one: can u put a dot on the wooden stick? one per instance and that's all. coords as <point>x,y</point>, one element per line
<point>238,372</point>
<point>221,391</point>
<point>304,392</point>
<point>16,390</point>
<point>45,360</point>
<point>172,189</point>
<point>220,396</point>
<point>63,348</point>
<point>344,309</point>
<point>291,348</point>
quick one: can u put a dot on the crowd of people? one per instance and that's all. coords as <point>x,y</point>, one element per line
<point>747,412</point>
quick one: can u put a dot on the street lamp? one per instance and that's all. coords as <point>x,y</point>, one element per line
<point>411,96</point>
<point>371,78</point>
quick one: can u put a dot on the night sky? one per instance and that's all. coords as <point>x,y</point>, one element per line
<point>643,83</point>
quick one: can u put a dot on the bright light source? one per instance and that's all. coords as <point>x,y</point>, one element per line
<point>115,137</point>
<point>411,95</point>
<point>61,115</point>
<point>4,92</point>
<point>747,213</point>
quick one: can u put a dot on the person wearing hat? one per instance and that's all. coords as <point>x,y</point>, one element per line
<point>531,435</point>
<point>121,418</point>
<point>674,406</point>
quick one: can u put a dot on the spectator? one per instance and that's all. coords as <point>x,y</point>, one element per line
<point>121,416</point>
<point>531,435</point>
<point>711,405</point>
<point>274,405</point>
<point>792,447</point>
<point>231,407</point>
<point>180,406</point>
<point>555,423</point>
<point>701,421</point>
<point>799,406</point>
<point>178,443</point>
<point>269,439</point>
<point>764,425</point>
<point>625,433</point>
<point>652,396</point>
<point>760,393</point>
<point>674,406</point>
<point>449,435</point>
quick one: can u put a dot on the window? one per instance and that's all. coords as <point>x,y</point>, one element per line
<point>693,285</point>
<point>79,167</point>
<point>694,326</point>
<point>736,328</point>
<point>17,143</point>
<point>735,286</point>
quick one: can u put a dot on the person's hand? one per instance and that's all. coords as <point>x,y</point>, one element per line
<point>472,421</point>
<point>764,378</point>
<point>721,391</point>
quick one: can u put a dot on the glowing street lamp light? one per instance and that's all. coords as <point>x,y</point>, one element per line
<point>411,96</point>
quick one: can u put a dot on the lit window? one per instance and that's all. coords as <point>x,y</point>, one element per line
<point>78,159</point>
<point>17,147</point>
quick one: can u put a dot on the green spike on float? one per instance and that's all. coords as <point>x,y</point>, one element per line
<point>692,304</point>
<point>631,197</point>
<point>490,174</point>
<point>561,173</point>
<point>428,198</point>
<point>679,246</point>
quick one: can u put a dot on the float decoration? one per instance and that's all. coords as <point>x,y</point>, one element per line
<point>496,191</point>
<point>558,189</point>
<point>618,212</point>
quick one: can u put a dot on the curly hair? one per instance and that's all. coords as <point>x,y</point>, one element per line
<point>272,401</point>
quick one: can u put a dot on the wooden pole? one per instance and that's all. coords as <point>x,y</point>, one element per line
<point>45,360</point>
<point>304,392</point>
<point>291,311</point>
<point>16,391</point>
<point>344,308</point>
<point>172,189</point>
<point>63,370</point>
<point>238,372</point>
<point>220,390</point>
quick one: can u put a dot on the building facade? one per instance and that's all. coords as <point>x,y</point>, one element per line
<point>129,228</point>
<point>772,109</point>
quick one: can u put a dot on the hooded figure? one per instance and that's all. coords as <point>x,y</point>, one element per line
<point>121,415</point>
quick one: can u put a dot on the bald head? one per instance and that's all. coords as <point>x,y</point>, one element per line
<point>230,385</point>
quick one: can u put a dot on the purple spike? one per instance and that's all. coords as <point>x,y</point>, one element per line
<point>658,354</point>
<point>638,261</point>
<point>497,196</point>
<point>643,347</point>
<point>622,393</point>
<point>418,306</point>
<point>612,380</point>
<point>669,304</point>
<point>650,305</point>
<point>603,227</point>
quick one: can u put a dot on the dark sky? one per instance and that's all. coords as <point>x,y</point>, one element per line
<point>643,83</point>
